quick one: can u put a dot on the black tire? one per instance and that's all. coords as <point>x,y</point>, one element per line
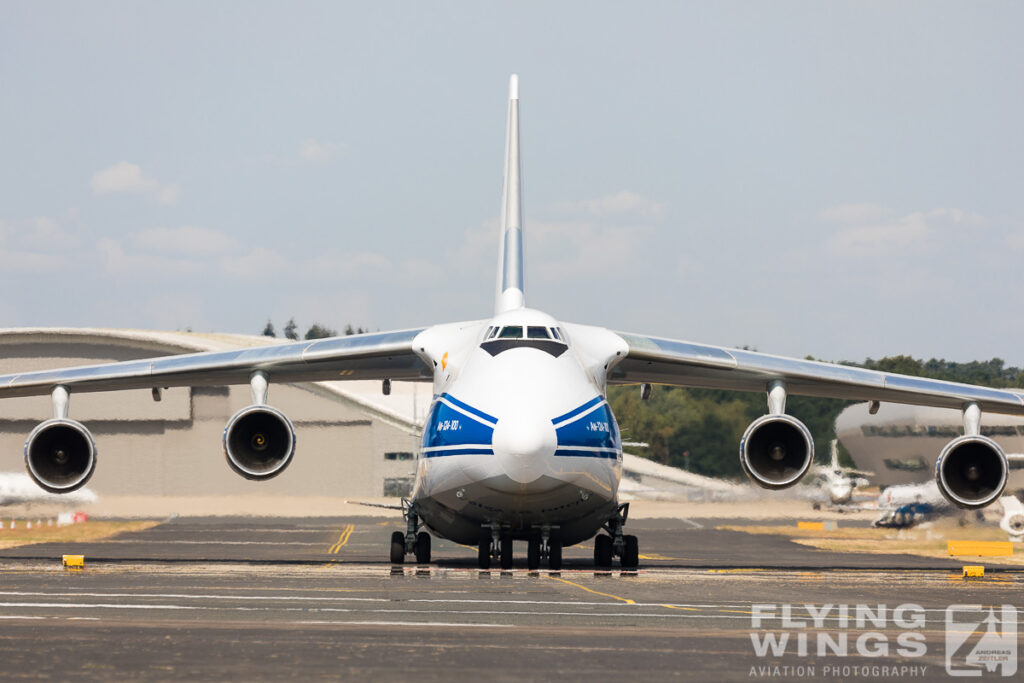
<point>603,551</point>
<point>483,558</point>
<point>423,548</point>
<point>554,555</point>
<point>397,547</point>
<point>506,552</point>
<point>533,554</point>
<point>630,552</point>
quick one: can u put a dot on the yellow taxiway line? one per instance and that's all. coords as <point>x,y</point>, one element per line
<point>346,533</point>
<point>591,590</point>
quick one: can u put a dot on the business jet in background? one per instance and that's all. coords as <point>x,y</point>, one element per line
<point>519,443</point>
<point>836,485</point>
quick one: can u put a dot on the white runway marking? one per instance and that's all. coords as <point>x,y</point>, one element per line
<point>410,623</point>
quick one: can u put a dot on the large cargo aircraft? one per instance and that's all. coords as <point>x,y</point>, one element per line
<point>520,443</point>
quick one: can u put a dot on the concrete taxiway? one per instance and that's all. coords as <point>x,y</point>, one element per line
<point>267,599</point>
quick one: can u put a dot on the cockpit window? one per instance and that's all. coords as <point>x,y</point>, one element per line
<point>540,337</point>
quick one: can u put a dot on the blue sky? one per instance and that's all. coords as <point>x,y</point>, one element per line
<point>836,179</point>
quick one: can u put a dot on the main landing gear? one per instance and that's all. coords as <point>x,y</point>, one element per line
<point>626,547</point>
<point>413,541</point>
<point>539,546</point>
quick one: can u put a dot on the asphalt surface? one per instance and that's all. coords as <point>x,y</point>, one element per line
<point>273,599</point>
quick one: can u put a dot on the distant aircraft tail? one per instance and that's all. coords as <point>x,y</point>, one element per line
<point>510,261</point>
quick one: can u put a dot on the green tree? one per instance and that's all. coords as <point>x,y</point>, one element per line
<point>318,331</point>
<point>269,330</point>
<point>291,329</point>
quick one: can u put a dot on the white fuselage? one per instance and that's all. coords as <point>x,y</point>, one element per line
<point>519,433</point>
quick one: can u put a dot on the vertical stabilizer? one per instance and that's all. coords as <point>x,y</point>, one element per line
<point>510,263</point>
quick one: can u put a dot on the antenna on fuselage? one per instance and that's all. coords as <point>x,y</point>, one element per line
<point>510,261</point>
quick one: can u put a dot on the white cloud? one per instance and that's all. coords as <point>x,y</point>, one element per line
<point>188,240</point>
<point>855,213</point>
<point>891,234</point>
<point>318,152</point>
<point>34,245</point>
<point>624,202</point>
<point>46,234</point>
<point>259,263</point>
<point>1014,240</point>
<point>583,248</point>
<point>125,177</point>
<point>21,261</point>
<point>115,260</point>
<point>872,229</point>
<point>362,264</point>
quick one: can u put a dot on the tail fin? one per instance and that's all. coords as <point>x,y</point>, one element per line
<point>510,261</point>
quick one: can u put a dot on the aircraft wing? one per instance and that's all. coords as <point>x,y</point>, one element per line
<point>365,356</point>
<point>664,361</point>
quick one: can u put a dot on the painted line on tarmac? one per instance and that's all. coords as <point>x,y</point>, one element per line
<point>342,540</point>
<point>591,590</point>
<point>409,623</point>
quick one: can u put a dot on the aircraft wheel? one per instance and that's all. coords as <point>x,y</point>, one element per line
<point>555,554</point>
<point>630,552</point>
<point>423,548</point>
<point>397,547</point>
<point>533,554</point>
<point>506,552</point>
<point>484,554</point>
<point>603,550</point>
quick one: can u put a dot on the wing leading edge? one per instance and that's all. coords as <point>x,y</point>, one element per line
<point>366,356</point>
<point>666,361</point>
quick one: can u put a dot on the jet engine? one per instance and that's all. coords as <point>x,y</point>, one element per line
<point>259,442</point>
<point>60,455</point>
<point>776,451</point>
<point>971,471</point>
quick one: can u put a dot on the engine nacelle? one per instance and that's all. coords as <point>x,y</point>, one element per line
<point>259,442</point>
<point>60,455</point>
<point>776,451</point>
<point>971,471</point>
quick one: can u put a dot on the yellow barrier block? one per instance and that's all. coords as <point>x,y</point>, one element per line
<point>811,526</point>
<point>982,548</point>
<point>973,570</point>
<point>74,561</point>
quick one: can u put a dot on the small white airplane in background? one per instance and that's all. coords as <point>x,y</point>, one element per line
<point>520,443</point>
<point>17,488</point>
<point>836,482</point>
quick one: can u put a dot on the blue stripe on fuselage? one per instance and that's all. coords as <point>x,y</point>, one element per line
<point>569,452</point>
<point>449,427</point>
<point>596,431</point>
<point>469,409</point>
<point>576,411</point>
<point>458,451</point>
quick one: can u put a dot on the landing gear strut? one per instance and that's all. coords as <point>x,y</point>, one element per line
<point>539,546</point>
<point>413,541</point>
<point>626,547</point>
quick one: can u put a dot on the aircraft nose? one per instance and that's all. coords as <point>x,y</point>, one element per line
<point>523,443</point>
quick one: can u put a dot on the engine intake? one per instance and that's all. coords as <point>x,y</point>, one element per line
<point>60,455</point>
<point>971,471</point>
<point>259,442</point>
<point>776,451</point>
